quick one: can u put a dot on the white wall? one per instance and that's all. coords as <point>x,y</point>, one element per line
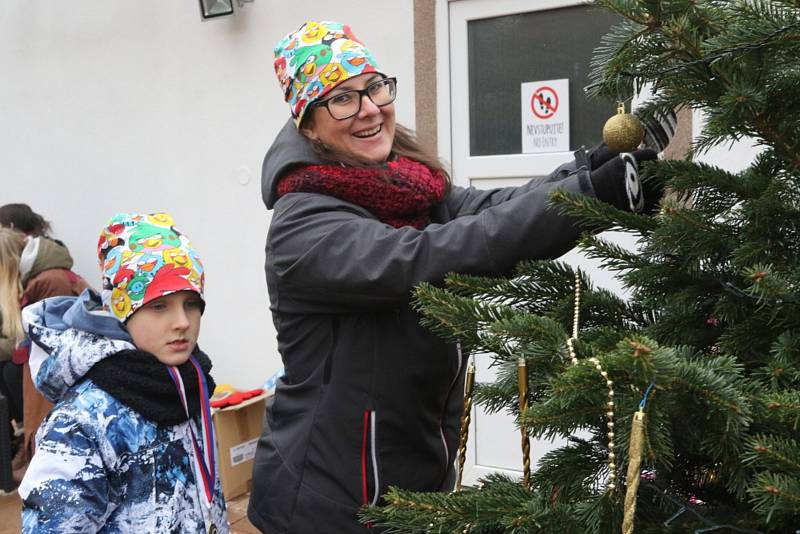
<point>731,157</point>
<point>141,106</point>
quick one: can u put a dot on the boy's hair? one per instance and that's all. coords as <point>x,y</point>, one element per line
<point>142,258</point>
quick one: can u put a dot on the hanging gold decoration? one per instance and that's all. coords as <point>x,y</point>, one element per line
<point>612,466</point>
<point>522,382</point>
<point>623,132</point>
<point>466,416</point>
<point>634,470</point>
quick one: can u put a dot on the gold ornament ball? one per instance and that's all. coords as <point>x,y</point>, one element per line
<point>623,132</point>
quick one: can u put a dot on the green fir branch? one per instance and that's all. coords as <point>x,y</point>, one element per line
<point>595,215</point>
<point>773,453</point>
<point>713,380</point>
<point>501,505</point>
<point>776,496</point>
<point>572,473</point>
<point>689,177</point>
<point>457,318</point>
<point>611,255</point>
<point>784,407</point>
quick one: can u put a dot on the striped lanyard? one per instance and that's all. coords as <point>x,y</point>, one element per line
<point>205,465</point>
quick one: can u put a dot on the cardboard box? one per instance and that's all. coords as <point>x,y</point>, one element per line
<point>237,431</point>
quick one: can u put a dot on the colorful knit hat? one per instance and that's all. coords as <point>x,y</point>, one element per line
<point>142,258</point>
<point>316,58</point>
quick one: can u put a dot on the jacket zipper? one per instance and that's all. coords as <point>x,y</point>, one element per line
<point>450,391</point>
<point>369,458</point>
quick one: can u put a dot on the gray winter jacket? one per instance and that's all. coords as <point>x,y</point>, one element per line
<point>370,398</point>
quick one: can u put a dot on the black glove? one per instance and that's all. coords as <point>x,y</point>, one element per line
<point>598,155</point>
<point>617,182</point>
<point>658,130</point>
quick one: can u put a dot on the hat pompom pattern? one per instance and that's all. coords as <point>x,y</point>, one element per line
<point>316,58</point>
<point>142,258</point>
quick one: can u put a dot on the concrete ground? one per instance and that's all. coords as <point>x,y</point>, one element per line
<point>10,514</point>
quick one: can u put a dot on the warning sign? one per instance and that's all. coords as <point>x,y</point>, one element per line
<point>544,102</point>
<point>545,116</point>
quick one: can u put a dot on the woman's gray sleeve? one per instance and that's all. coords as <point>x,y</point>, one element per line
<point>325,253</point>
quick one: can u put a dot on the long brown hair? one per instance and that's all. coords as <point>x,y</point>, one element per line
<point>405,144</point>
<point>11,244</point>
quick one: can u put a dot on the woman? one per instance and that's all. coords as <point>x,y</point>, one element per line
<point>11,389</point>
<point>19,217</point>
<point>22,218</point>
<point>362,215</point>
<point>31,269</point>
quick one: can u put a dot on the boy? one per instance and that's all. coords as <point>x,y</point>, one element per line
<point>129,445</point>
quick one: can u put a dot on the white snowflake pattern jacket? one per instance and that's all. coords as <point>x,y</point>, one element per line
<point>99,465</point>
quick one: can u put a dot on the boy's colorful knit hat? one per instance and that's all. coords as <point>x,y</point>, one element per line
<point>316,58</point>
<point>142,258</point>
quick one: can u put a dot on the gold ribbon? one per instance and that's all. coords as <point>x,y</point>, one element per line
<point>522,380</point>
<point>634,470</point>
<point>465,419</point>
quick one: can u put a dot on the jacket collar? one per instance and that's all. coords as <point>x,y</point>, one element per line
<point>70,335</point>
<point>289,149</point>
<point>41,254</point>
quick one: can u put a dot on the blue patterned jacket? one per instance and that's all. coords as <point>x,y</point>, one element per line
<point>99,465</point>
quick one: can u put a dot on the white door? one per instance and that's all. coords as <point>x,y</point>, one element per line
<point>491,48</point>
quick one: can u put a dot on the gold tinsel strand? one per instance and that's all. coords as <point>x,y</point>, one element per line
<point>633,475</point>
<point>522,382</point>
<point>465,420</point>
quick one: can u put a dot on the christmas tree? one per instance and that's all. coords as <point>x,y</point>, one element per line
<point>686,393</point>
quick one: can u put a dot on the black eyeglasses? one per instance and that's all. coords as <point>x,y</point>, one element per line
<point>348,103</point>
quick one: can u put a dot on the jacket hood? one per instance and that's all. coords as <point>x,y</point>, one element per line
<point>41,254</point>
<point>69,335</point>
<point>289,149</point>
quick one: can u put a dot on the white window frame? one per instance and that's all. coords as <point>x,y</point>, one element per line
<point>452,19</point>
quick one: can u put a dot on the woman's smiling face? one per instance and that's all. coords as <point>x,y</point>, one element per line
<point>367,136</point>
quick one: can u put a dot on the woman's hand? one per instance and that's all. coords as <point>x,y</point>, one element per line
<point>616,180</point>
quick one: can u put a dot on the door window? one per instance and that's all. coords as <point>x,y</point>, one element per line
<point>506,51</point>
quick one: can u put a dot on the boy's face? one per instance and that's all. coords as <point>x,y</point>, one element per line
<point>168,326</point>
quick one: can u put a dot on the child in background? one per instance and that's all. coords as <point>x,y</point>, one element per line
<point>129,445</point>
<point>33,266</point>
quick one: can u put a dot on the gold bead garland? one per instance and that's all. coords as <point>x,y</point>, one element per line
<point>612,466</point>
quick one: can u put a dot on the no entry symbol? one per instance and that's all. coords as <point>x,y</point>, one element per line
<point>544,102</point>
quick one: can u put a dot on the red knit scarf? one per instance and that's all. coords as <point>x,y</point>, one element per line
<point>400,194</point>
